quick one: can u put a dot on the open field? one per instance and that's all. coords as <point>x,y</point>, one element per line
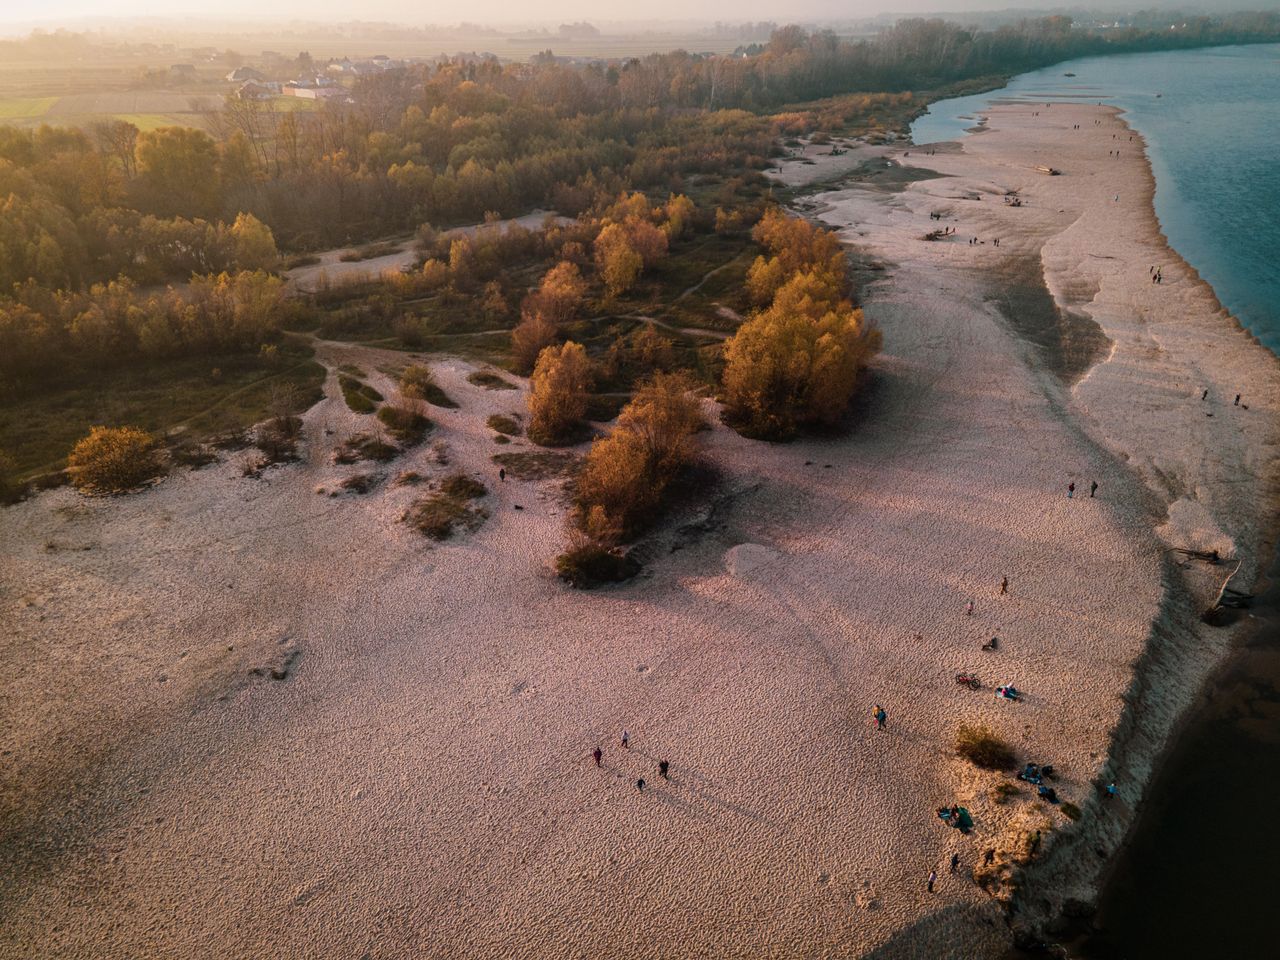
<point>197,397</point>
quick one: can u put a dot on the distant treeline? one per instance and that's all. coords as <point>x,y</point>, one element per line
<point>452,141</point>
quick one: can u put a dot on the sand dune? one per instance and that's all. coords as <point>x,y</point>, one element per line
<point>421,782</point>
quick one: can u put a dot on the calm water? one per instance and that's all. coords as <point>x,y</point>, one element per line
<point>1213,134</point>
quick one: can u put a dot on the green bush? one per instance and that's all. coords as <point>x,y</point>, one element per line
<point>981,747</point>
<point>360,397</point>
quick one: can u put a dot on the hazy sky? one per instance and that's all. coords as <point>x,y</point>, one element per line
<point>509,11</point>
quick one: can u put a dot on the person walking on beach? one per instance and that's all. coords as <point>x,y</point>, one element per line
<point>640,784</point>
<point>881,717</point>
<point>1071,489</point>
<point>1093,488</point>
<point>1205,395</point>
<point>955,861</point>
<point>968,608</point>
<point>502,474</point>
<point>597,754</point>
<point>1004,584</point>
<point>988,857</point>
<point>626,739</point>
<point>933,875</point>
<point>1237,403</point>
<point>663,766</point>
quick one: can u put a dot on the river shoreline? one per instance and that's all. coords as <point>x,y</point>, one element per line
<point>1067,880</point>
<point>1180,655</point>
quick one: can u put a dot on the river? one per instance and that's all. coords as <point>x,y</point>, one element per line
<point>1196,877</point>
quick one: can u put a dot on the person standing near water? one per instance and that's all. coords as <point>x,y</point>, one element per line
<point>1093,488</point>
<point>597,753</point>
<point>1004,584</point>
<point>881,717</point>
<point>1071,489</point>
<point>663,766</point>
<point>933,875</point>
<point>626,739</point>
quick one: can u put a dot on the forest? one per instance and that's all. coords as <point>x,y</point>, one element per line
<point>95,222</point>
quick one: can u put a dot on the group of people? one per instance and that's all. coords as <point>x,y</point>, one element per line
<point>1157,274</point>
<point>664,766</point>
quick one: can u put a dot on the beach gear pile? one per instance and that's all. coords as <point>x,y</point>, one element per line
<point>1036,776</point>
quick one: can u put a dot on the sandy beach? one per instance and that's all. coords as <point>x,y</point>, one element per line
<point>420,782</point>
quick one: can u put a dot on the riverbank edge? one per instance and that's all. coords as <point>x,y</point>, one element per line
<point>1180,658</point>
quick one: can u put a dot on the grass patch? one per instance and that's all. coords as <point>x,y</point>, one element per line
<point>300,260</point>
<point>360,397</point>
<point>440,514</point>
<point>500,424</point>
<point>25,108</point>
<point>407,426</point>
<point>203,398</point>
<point>360,483</point>
<point>538,465</point>
<point>981,747</point>
<point>417,383</point>
<point>365,446</point>
<point>490,380</point>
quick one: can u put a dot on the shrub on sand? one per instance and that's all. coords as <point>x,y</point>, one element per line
<point>589,564</point>
<point>983,748</point>
<point>417,383</point>
<point>113,460</point>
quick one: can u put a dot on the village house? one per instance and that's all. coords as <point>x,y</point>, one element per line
<point>243,74</point>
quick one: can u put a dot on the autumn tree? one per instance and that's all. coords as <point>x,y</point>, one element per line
<point>177,172</point>
<point>796,364</point>
<point>113,460</point>
<point>627,473</point>
<point>794,245</point>
<point>617,261</point>
<point>558,393</point>
<point>255,245</point>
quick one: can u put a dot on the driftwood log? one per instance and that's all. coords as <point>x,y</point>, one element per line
<point>1228,599</point>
